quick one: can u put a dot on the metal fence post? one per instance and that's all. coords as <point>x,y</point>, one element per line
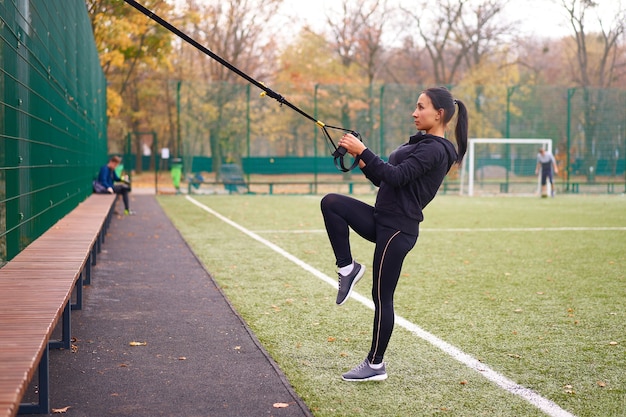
<point>570,94</point>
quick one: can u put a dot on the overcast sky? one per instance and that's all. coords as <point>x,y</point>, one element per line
<point>539,17</point>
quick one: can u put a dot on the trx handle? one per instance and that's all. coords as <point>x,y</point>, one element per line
<point>339,152</point>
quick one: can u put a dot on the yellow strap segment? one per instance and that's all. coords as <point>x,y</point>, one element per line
<point>319,123</point>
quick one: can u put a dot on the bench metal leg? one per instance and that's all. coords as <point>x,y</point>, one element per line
<point>65,342</point>
<point>100,241</point>
<point>87,279</point>
<point>79,292</point>
<point>43,407</point>
<point>94,254</point>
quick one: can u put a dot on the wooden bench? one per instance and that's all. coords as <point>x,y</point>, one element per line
<point>36,289</point>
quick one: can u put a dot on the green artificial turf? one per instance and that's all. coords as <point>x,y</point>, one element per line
<point>531,287</point>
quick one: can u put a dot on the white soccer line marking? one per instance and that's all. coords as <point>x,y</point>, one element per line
<point>470,230</point>
<point>550,408</point>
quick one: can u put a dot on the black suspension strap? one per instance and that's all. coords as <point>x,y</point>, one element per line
<point>338,153</point>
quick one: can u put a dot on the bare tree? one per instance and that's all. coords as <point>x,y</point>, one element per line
<point>436,30</point>
<point>597,62</point>
<point>595,65</point>
<point>481,31</point>
<point>358,39</point>
<point>458,34</point>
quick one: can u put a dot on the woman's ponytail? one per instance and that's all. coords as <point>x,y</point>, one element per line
<point>442,99</point>
<point>462,127</point>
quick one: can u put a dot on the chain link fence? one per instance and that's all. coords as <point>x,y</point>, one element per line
<point>226,123</point>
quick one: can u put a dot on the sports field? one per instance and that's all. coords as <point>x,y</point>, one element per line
<point>507,306</point>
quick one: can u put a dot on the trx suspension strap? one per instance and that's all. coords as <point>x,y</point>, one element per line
<point>338,153</point>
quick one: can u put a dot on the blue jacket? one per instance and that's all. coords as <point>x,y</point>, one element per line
<point>107,176</point>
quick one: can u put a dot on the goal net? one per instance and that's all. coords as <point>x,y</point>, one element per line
<point>503,166</point>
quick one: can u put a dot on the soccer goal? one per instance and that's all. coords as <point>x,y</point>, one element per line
<point>502,166</point>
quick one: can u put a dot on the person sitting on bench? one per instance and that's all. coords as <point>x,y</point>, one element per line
<point>106,182</point>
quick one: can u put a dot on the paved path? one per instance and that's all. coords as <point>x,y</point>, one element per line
<point>199,358</point>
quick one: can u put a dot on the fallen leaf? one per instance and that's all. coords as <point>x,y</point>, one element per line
<point>138,343</point>
<point>331,339</point>
<point>514,355</point>
<point>518,310</point>
<point>182,358</point>
<point>74,348</point>
<point>280,405</point>
<point>613,343</point>
<point>601,384</point>
<point>464,382</point>
<point>237,347</point>
<point>61,410</point>
<point>123,365</point>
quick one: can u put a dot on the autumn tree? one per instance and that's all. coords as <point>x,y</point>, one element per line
<point>132,49</point>
<point>357,34</point>
<point>303,77</point>
<point>235,30</point>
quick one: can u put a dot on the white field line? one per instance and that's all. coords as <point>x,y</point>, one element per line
<point>470,230</point>
<point>550,408</point>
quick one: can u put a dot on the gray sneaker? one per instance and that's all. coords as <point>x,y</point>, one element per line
<point>364,372</point>
<point>346,283</point>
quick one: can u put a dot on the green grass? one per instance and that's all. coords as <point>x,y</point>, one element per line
<point>542,307</point>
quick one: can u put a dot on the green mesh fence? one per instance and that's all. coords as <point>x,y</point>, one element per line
<point>52,118</point>
<point>586,126</point>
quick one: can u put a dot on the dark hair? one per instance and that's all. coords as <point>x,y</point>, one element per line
<point>115,159</point>
<point>442,99</point>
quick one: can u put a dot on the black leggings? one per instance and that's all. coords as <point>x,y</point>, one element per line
<point>341,213</point>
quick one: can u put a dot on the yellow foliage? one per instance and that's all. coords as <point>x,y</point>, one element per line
<point>114,103</point>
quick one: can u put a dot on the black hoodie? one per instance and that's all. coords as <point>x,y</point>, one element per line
<point>410,180</point>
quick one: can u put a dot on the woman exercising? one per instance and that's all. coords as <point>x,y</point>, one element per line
<point>407,183</point>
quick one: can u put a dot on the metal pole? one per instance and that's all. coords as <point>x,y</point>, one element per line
<point>156,163</point>
<point>247,129</point>
<point>509,94</point>
<point>315,138</point>
<point>128,151</point>
<point>178,85</point>
<point>570,94</point>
